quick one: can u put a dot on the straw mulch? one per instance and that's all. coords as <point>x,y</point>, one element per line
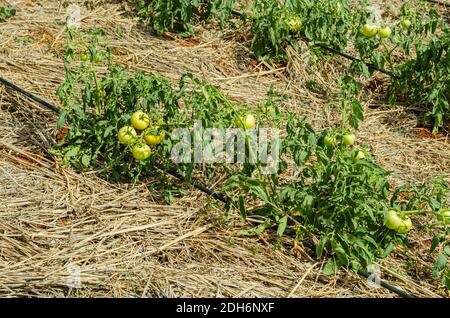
<point>125,240</point>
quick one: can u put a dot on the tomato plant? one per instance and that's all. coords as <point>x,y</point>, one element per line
<point>6,13</point>
<point>430,197</point>
<point>180,15</point>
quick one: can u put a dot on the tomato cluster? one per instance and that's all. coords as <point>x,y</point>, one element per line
<point>149,135</point>
<point>370,30</point>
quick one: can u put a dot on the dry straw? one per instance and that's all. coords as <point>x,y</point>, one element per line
<point>123,239</point>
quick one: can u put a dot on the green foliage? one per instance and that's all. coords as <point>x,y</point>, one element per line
<point>6,13</point>
<point>96,106</point>
<point>180,15</point>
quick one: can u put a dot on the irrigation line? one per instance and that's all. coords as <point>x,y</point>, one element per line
<point>349,57</point>
<point>203,188</point>
<point>29,95</point>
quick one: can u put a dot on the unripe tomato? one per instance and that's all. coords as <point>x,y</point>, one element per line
<point>392,220</point>
<point>405,226</point>
<point>140,120</point>
<point>153,137</point>
<point>444,216</point>
<point>369,30</point>
<point>385,32</point>
<point>127,135</point>
<point>349,139</point>
<point>329,141</point>
<point>406,23</point>
<point>141,151</point>
<point>294,24</point>
<point>359,156</point>
<point>246,122</point>
<point>85,57</point>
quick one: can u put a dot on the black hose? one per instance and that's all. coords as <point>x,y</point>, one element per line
<point>349,57</point>
<point>200,187</point>
<point>29,95</point>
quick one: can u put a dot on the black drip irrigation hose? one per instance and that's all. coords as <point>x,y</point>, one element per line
<point>29,95</point>
<point>220,197</point>
<point>349,57</point>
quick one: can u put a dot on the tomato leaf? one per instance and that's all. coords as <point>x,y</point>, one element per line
<point>441,262</point>
<point>62,119</point>
<point>282,223</point>
<point>85,160</point>
<point>108,131</point>
<point>321,245</point>
<point>242,209</point>
<point>434,243</point>
<point>330,267</point>
<point>72,152</point>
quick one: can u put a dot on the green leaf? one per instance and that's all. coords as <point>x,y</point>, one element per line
<point>85,160</point>
<point>242,209</point>
<point>434,242</point>
<point>441,262</point>
<point>72,152</point>
<point>388,249</point>
<point>257,230</point>
<point>321,245</point>
<point>108,131</point>
<point>258,190</point>
<point>264,210</point>
<point>62,119</point>
<point>282,223</point>
<point>330,267</point>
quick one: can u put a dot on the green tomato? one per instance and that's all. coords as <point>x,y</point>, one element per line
<point>141,151</point>
<point>392,220</point>
<point>152,137</point>
<point>85,57</point>
<point>444,216</point>
<point>405,226</point>
<point>294,24</point>
<point>329,141</point>
<point>406,23</point>
<point>246,122</point>
<point>349,139</point>
<point>127,135</point>
<point>369,30</point>
<point>359,156</point>
<point>140,120</point>
<point>385,32</point>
